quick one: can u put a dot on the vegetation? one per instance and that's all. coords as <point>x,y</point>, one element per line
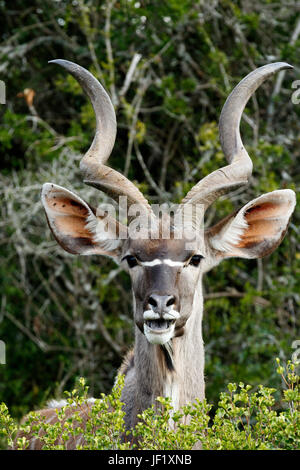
<point>243,420</point>
<point>168,66</point>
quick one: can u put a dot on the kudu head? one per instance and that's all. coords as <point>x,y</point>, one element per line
<point>166,266</point>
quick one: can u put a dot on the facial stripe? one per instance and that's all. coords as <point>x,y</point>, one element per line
<point>157,261</point>
<point>171,263</point>
<point>151,263</point>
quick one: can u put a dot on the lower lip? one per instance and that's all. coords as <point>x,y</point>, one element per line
<point>159,336</point>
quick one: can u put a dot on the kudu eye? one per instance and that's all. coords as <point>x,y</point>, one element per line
<point>131,260</point>
<point>195,260</point>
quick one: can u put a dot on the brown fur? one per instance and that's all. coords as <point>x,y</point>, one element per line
<point>49,415</point>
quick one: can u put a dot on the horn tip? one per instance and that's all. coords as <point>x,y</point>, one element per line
<point>286,65</point>
<point>54,61</point>
<point>64,63</point>
<point>281,66</point>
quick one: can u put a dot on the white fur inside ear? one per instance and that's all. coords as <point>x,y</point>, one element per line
<point>103,237</point>
<point>231,234</point>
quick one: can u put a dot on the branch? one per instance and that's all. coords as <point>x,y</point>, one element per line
<point>148,176</point>
<point>110,58</point>
<point>234,293</point>
<point>130,73</point>
<point>145,82</point>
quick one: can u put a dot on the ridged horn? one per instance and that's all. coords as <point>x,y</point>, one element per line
<point>240,166</point>
<point>95,172</point>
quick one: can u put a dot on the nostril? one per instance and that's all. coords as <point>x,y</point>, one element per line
<point>152,302</point>
<point>171,301</point>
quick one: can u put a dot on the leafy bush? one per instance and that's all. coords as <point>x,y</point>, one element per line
<point>60,315</point>
<point>243,420</point>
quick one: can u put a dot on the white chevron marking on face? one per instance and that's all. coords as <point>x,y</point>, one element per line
<point>169,262</point>
<point>157,261</point>
<point>151,263</point>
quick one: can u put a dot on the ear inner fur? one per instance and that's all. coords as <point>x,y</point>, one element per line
<point>255,230</point>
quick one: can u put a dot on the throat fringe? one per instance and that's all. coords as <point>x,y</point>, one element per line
<point>168,355</point>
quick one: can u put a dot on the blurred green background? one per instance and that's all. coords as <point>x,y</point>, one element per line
<point>168,66</point>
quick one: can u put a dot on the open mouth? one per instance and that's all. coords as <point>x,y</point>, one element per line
<point>159,325</point>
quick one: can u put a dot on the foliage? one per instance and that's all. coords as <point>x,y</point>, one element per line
<point>63,317</point>
<point>244,420</point>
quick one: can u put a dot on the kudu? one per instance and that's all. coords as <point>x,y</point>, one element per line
<point>166,273</point>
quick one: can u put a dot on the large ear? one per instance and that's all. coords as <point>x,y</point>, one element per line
<point>256,229</point>
<point>77,228</point>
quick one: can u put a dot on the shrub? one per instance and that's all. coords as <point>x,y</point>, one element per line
<point>243,420</point>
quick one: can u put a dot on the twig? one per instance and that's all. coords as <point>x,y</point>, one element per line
<point>260,277</point>
<point>115,346</point>
<point>148,176</point>
<point>109,5</point>
<point>39,342</point>
<point>145,82</point>
<point>167,155</point>
<point>130,73</point>
<point>89,38</point>
<point>256,299</point>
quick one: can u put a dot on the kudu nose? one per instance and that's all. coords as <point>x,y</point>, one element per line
<point>161,303</point>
